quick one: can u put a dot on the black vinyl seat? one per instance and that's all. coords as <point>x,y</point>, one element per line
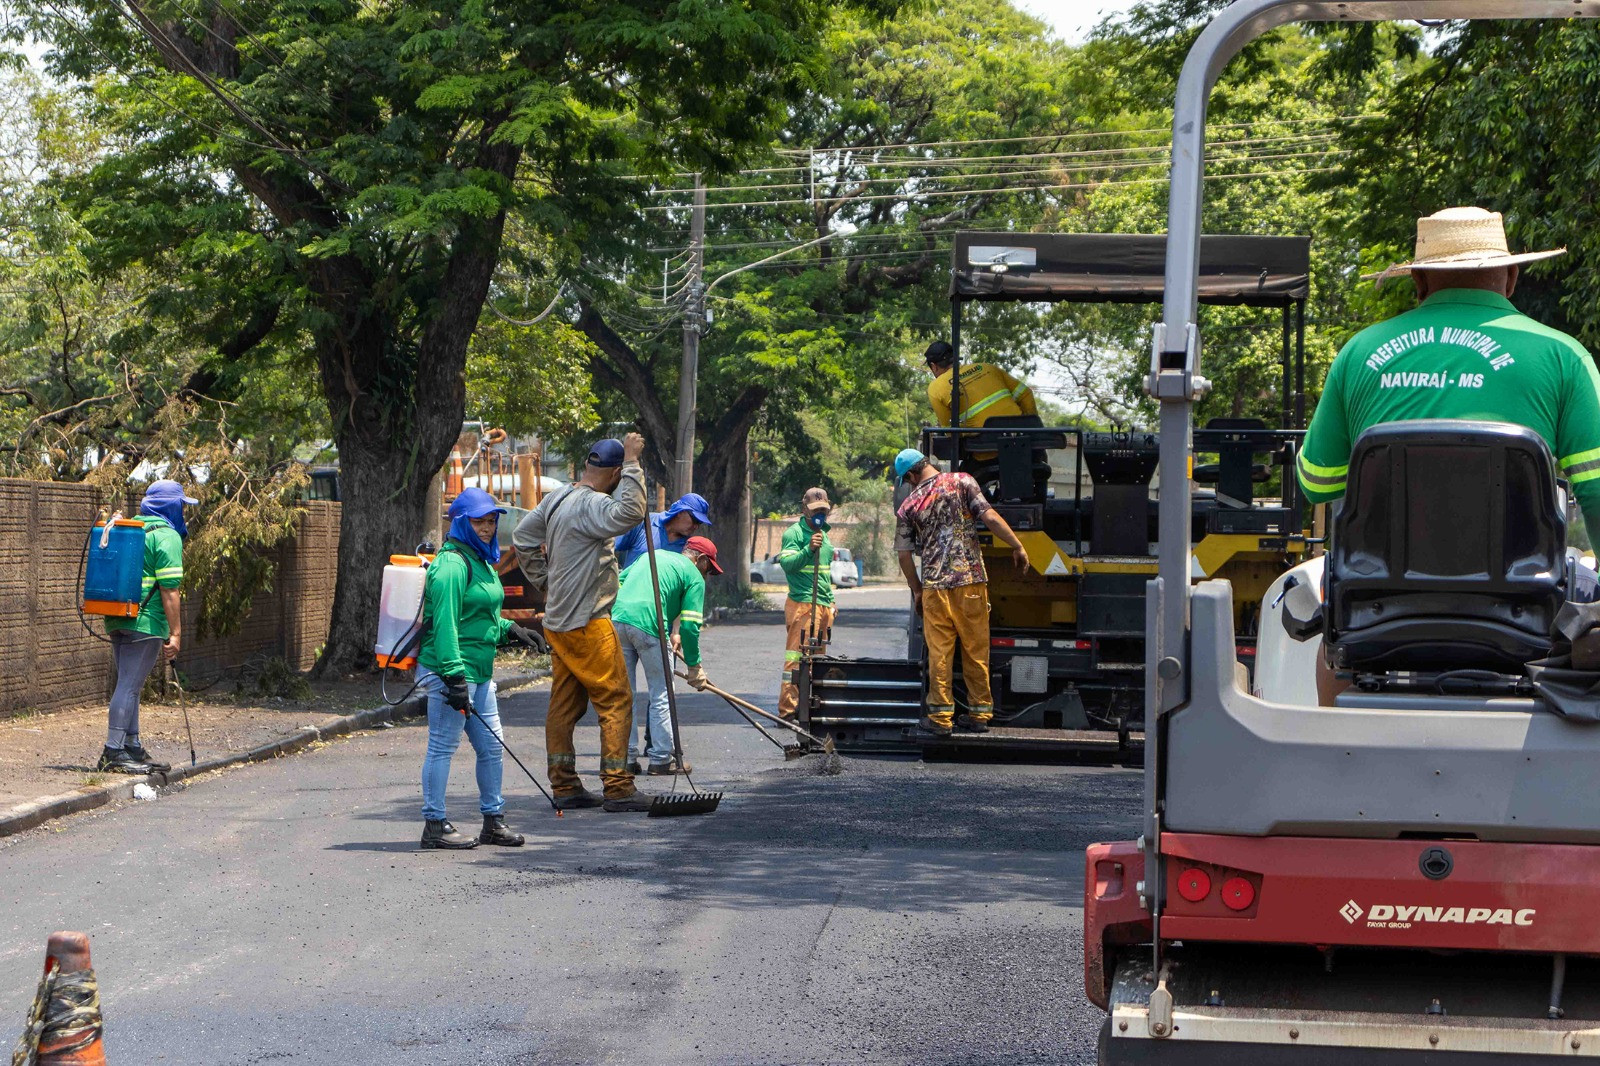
<point>1449,552</point>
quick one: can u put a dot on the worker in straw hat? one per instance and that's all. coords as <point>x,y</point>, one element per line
<point>1463,352</point>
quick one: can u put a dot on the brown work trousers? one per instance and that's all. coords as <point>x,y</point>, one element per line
<point>948,616</point>
<point>797,622</point>
<point>585,667</point>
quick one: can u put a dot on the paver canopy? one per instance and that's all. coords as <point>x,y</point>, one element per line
<point>1125,268</point>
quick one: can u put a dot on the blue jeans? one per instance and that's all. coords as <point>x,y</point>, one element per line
<point>642,648</point>
<point>445,724</point>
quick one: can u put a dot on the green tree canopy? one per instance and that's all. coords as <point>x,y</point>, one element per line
<point>344,170</point>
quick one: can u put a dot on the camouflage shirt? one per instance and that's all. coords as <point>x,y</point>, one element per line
<point>938,521</point>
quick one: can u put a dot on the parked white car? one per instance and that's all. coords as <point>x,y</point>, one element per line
<point>842,570</point>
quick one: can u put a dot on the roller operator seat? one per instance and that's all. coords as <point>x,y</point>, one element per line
<point>1449,552</point>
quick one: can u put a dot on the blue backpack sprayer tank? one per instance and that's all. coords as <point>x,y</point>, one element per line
<point>113,571</point>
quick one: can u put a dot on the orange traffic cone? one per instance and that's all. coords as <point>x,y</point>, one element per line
<point>64,1027</point>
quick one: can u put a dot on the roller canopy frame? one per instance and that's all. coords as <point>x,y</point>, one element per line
<point>1175,380</point>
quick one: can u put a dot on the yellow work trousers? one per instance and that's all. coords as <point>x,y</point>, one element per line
<point>797,621</point>
<point>585,667</point>
<point>951,615</point>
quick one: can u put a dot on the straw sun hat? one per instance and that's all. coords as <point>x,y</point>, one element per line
<point>1463,238</point>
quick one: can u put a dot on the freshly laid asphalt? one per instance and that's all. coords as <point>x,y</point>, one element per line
<point>897,913</point>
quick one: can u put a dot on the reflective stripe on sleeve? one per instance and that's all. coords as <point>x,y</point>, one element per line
<point>1322,478</point>
<point>1582,466</point>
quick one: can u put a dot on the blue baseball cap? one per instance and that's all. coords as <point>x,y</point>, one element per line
<point>908,460</point>
<point>474,503</point>
<point>167,491</point>
<point>606,452</point>
<point>695,504</point>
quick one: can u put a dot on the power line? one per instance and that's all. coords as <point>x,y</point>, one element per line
<point>138,83</point>
<point>968,176</point>
<point>1095,134</point>
<point>1015,189</point>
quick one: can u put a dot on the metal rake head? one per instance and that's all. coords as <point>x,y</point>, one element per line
<point>690,803</point>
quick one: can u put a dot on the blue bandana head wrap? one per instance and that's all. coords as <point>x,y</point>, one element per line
<point>475,503</point>
<point>165,499</point>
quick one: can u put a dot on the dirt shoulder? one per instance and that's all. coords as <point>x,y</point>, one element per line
<point>54,752</point>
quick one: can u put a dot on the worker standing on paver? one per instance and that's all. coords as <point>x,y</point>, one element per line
<point>986,390</point>
<point>937,522</point>
<point>683,603</point>
<point>566,547</point>
<point>805,555</point>
<point>136,643</point>
<point>672,528</point>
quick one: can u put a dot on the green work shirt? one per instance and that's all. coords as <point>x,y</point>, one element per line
<point>163,567</point>
<point>800,562</point>
<point>683,599</point>
<point>461,608</point>
<point>1464,353</point>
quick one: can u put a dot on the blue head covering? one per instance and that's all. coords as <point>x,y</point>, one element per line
<point>165,499</point>
<point>474,503</point>
<point>695,504</point>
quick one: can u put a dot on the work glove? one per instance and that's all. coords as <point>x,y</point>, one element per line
<point>528,638</point>
<point>697,678</point>
<point>456,692</point>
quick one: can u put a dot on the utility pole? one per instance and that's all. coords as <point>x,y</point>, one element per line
<point>694,321</point>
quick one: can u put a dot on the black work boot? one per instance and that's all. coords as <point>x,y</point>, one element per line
<point>118,761</point>
<point>577,800</point>
<point>439,833</point>
<point>138,754</point>
<point>495,832</point>
<point>968,724</point>
<point>638,803</point>
<point>928,725</point>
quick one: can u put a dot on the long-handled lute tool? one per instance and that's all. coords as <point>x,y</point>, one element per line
<point>697,802</point>
<point>474,712</point>
<point>832,764</point>
<point>790,751</point>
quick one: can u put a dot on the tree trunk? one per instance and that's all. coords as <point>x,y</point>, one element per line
<point>390,447</point>
<point>720,472</point>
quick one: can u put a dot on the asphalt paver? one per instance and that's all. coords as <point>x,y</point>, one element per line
<point>282,913</point>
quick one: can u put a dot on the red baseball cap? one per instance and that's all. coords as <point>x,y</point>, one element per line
<point>706,548</point>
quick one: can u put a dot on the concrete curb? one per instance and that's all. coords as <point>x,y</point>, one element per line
<point>35,813</point>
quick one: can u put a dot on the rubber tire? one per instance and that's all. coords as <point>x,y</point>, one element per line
<point>1102,1052</point>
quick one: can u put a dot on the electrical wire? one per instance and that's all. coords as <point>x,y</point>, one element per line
<point>540,317</point>
<point>1006,191</point>
<point>1006,175</point>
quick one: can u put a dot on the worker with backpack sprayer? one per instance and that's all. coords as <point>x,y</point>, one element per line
<point>808,613</point>
<point>155,630</point>
<point>462,628</point>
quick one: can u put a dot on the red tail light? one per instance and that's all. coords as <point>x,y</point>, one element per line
<point>1194,884</point>
<point>1002,642</point>
<point>1245,651</point>
<point>1238,893</point>
<point>1083,645</point>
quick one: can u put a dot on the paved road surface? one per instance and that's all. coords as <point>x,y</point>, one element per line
<point>899,913</point>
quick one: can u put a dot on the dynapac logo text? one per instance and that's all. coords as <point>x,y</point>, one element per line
<point>1396,916</point>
